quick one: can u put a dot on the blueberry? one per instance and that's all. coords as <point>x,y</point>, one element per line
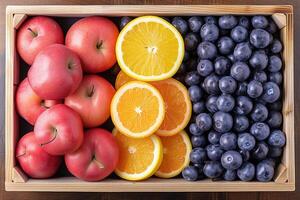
<point>259,60</point>
<point>213,169</point>
<point>254,89</point>
<point>277,138</point>
<point>195,24</point>
<point>211,84</point>
<point>191,41</point>
<point>227,85</point>
<point>214,152</point>
<point>228,141</point>
<point>240,123</point>
<point>276,46</point>
<point>231,58</point>
<point>275,152</point>
<point>269,161</point>
<point>192,78</point>
<point>271,92</point>
<point>207,50</point>
<point>240,71</point>
<point>222,122</point>
<point>195,93</point>
<point>198,107</point>
<point>124,21</point>
<point>259,113</point>
<point>260,38</point>
<point>210,20</point>
<point>204,121</point>
<point>225,45</point>
<point>227,21</point>
<point>275,64</point>
<point>205,67</point>
<point>246,141</point>
<point>260,130</point>
<point>239,34</point>
<point>245,155</point>
<point>222,65</point>
<point>198,141</point>
<point>260,151</point>
<point>211,103</point>
<point>244,21</point>
<point>231,160</point>
<point>199,166</point>
<point>182,69</point>
<point>272,28</point>
<point>275,119</point>
<point>246,172</point>
<point>186,56</point>
<point>276,106</point>
<point>275,77</point>
<point>264,172</point>
<point>195,130</point>
<point>244,105</point>
<point>214,137</point>
<point>180,24</point>
<point>260,76</point>
<point>241,89</point>
<point>190,173</point>
<point>225,102</point>
<point>198,155</point>
<point>230,175</point>
<point>242,51</point>
<point>259,21</point>
<point>209,32</point>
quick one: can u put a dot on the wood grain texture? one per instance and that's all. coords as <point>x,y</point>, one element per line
<point>26,195</point>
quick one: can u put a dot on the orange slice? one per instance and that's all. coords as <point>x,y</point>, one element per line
<point>139,157</point>
<point>121,79</point>
<point>176,150</point>
<point>178,106</point>
<point>137,109</point>
<point>149,49</point>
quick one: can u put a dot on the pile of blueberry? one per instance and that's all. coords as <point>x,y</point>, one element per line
<point>233,71</point>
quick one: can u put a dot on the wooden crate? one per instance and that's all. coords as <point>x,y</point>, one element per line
<point>16,180</point>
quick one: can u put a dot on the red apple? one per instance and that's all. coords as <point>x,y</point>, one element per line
<point>29,104</point>
<point>55,73</point>
<point>35,34</point>
<point>92,100</point>
<point>96,158</point>
<point>59,130</point>
<point>94,40</point>
<point>34,160</point>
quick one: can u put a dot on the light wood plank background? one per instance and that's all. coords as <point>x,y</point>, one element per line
<point>111,196</point>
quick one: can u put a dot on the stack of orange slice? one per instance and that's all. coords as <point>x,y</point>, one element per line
<point>149,117</point>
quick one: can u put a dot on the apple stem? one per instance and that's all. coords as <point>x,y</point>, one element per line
<point>32,32</point>
<point>54,137</point>
<point>99,44</point>
<point>97,162</point>
<point>91,91</point>
<point>44,104</point>
<point>21,154</point>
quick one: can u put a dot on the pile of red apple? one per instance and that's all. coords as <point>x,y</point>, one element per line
<point>65,100</point>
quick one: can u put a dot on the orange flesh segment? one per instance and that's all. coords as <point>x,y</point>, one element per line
<point>174,153</point>
<point>136,111</point>
<point>136,154</point>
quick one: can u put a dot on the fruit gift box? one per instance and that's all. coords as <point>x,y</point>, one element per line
<point>149,98</point>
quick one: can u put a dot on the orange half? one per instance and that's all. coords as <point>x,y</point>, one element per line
<point>178,106</point>
<point>137,109</point>
<point>139,157</point>
<point>176,150</point>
